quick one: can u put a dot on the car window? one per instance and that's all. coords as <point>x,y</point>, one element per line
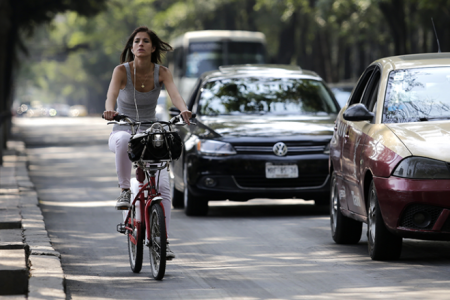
<point>371,91</point>
<point>417,95</point>
<point>361,86</point>
<point>373,99</point>
<point>256,95</point>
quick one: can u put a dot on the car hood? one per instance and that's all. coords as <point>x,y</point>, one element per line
<point>428,139</point>
<point>269,126</point>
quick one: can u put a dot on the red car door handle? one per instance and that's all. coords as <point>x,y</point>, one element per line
<point>346,136</point>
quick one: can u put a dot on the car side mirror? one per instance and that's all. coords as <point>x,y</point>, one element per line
<point>358,112</point>
<point>173,111</point>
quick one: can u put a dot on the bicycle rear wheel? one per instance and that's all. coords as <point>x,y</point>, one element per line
<point>158,242</point>
<point>135,242</point>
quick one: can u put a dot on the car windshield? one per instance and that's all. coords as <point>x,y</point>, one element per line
<point>252,95</point>
<point>417,95</point>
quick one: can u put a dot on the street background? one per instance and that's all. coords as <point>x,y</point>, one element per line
<point>261,249</point>
<point>61,54</point>
<point>55,52</point>
<point>72,55</point>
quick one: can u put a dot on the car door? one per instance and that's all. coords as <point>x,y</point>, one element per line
<point>352,145</point>
<point>370,101</point>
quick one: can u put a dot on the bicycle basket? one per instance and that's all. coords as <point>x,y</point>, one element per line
<point>168,145</point>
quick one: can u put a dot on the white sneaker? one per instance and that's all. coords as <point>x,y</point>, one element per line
<point>123,201</point>
<point>169,253</point>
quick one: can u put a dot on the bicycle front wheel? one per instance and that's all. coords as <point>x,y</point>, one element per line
<point>158,242</point>
<point>135,242</point>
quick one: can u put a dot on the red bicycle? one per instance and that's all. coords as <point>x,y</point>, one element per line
<point>151,151</point>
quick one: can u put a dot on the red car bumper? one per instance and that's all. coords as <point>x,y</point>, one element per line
<point>415,208</point>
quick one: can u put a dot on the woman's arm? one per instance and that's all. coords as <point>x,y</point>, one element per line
<point>175,96</point>
<point>117,82</point>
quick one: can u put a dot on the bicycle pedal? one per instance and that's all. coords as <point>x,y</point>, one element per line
<point>121,228</point>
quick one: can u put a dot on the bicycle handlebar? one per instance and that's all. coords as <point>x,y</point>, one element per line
<point>174,120</point>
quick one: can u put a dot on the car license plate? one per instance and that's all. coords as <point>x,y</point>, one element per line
<point>281,171</point>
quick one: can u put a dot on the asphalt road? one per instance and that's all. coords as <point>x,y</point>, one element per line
<point>262,249</point>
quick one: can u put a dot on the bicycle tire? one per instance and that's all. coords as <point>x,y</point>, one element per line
<point>135,251</point>
<point>158,244</point>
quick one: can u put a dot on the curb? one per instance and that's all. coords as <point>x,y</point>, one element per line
<point>45,275</point>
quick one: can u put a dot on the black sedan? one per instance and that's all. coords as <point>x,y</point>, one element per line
<point>262,132</point>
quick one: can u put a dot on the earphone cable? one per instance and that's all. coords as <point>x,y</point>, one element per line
<point>134,92</point>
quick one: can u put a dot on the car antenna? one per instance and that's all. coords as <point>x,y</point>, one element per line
<point>435,33</point>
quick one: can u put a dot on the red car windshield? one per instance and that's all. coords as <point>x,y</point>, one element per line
<point>417,95</point>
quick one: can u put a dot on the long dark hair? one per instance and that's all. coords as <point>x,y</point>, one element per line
<point>160,46</point>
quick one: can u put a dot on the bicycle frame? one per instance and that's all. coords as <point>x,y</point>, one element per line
<point>145,201</point>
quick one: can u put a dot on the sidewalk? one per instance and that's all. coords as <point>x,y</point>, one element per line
<point>29,266</point>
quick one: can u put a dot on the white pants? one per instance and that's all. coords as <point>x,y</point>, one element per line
<point>118,144</point>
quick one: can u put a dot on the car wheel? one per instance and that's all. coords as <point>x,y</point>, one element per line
<point>177,196</point>
<point>193,206</point>
<point>383,245</point>
<point>343,230</point>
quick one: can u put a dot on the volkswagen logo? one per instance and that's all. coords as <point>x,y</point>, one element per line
<point>280,149</point>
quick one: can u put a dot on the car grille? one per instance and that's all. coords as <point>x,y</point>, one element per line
<point>446,227</point>
<point>262,182</point>
<point>432,211</point>
<point>294,148</point>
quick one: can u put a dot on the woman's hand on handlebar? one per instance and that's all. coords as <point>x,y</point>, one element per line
<point>186,115</point>
<point>109,114</point>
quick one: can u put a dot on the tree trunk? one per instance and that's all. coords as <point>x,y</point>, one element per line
<point>286,45</point>
<point>318,61</point>
<point>303,57</point>
<point>8,40</point>
<point>347,62</point>
<point>325,47</point>
<point>394,13</point>
<point>249,4</point>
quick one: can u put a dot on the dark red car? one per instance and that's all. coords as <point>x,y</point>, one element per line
<point>390,155</point>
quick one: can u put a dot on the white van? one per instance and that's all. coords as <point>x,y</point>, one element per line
<point>196,52</point>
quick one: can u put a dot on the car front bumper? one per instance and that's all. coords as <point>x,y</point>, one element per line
<point>405,202</point>
<point>242,177</point>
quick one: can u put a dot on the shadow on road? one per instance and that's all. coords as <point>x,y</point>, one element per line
<point>425,252</point>
<point>266,208</point>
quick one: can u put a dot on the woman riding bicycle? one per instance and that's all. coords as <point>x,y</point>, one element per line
<point>135,87</point>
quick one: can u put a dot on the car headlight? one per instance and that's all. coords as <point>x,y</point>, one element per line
<point>422,168</point>
<point>210,147</point>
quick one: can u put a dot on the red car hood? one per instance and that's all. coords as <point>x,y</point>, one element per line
<point>428,139</point>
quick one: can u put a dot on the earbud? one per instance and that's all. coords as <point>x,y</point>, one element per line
<point>132,51</point>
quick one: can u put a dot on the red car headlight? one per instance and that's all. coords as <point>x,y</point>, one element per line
<point>422,168</point>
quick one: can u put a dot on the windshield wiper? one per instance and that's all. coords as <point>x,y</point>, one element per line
<point>422,119</point>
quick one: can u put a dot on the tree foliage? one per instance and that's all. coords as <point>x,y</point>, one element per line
<point>19,18</point>
<point>72,58</point>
